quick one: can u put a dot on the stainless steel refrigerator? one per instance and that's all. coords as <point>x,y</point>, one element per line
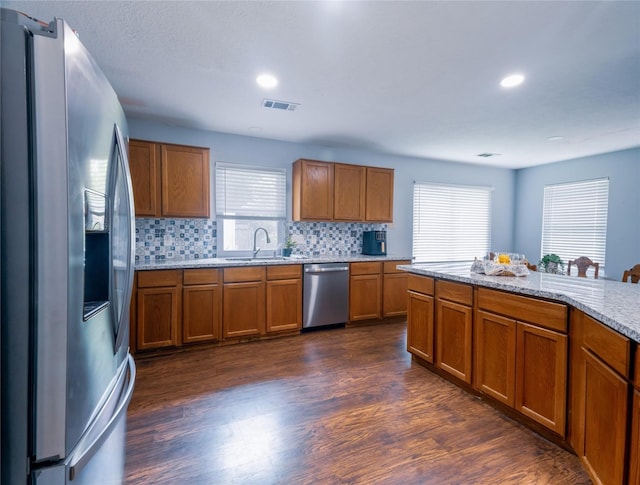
<point>67,236</point>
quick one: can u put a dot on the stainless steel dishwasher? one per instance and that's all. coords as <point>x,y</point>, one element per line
<point>326,294</point>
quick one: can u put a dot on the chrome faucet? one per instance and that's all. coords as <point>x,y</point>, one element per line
<point>255,234</point>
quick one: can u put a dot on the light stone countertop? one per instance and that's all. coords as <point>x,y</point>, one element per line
<point>178,263</point>
<point>613,303</point>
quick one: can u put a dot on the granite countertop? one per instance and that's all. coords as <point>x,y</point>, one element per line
<point>613,303</point>
<point>178,263</point>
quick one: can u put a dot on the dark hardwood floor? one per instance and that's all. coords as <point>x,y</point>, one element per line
<point>341,406</point>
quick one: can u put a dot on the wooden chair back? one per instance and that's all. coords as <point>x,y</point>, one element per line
<point>633,273</point>
<point>583,263</point>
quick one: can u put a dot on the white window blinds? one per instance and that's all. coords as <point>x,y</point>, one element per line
<point>450,223</point>
<point>574,220</point>
<point>243,191</point>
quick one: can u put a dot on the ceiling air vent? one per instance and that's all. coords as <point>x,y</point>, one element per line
<point>487,155</point>
<point>283,105</point>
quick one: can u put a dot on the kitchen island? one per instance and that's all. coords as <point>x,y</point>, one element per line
<point>558,353</point>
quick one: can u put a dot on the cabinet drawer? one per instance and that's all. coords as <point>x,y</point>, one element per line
<point>288,271</point>
<point>372,267</point>
<point>205,276</point>
<point>543,313</point>
<point>390,266</point>
<point>456,292</point>
<point>238,275</point>
<point>421,284</point>
<point>151,279</point>
<point>609,345</point>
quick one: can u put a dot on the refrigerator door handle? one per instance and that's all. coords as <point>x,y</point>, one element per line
<point>81,458</point>
<point>121,329</point>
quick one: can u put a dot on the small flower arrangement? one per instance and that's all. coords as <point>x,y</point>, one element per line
<point>551,263</point>
<point>289,244</point>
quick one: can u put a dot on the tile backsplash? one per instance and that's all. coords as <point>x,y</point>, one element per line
<point>197,238</point>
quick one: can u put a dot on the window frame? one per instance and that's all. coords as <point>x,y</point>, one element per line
<point>570,200</point>
<point>456,194</point>
<point>277,237</point>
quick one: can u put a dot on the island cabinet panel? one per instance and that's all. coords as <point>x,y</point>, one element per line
<point>169,180</point>
<point>604,421</point>
<point>379,201</point>
<point>243,310</point>
<point>543,313</point>
<point>454,325</point>
<point>495,354</point>
<point>634,449</point>
<point>420,326</point>
<point>158,309</point>
<point>349,192</point>
<point>201,306</point>
<point>600,400</point>
<point>284,298</point>
<point>312,190</point>
<point>541,376</point>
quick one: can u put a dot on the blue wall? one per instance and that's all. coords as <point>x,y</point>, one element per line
<point>623,224</point>
<point>257,151</point>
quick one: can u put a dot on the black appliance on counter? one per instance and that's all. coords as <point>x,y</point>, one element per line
<point>374,243</point>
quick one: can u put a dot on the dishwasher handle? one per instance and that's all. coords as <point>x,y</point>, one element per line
<point>326,270</point>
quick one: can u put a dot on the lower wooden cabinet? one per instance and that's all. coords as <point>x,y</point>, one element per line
<point>495,351</point>
<point>284,298</point>
<point>377,290</point>
<point>454,325</point>
<point>157,307</point>
<point>634,449</point>
<point>394,289</point>
<point>244,302</point>
<point>420,318</point>
<point>365,291</point>
<point>201,306</point>
<point>541,376</point>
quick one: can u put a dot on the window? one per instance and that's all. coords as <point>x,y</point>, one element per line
<point>574,220</point>
<point>248,198</point>
<point>450,222</point>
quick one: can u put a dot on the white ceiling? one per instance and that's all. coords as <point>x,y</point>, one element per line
<point>411,78</point>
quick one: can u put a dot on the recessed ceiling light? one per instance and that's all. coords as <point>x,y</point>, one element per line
<point>512,81</point>
<point>555,138</point>
<point>267,81</point>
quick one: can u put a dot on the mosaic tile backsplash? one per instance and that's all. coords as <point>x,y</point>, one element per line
<point>197,238</point>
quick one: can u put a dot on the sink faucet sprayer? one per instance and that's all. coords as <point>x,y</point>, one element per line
<point>255,234</point>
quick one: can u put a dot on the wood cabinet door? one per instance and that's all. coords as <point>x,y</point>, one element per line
<point>394,294</point>
<point>541,376</point>
<point>312,190</point>
<point>201,313</point>
<point>284,305</point>
<point>243,310</point>
<point>495,347</point>
<point>604,421</point>
<point>634,450</point>
<point>348,192</point>
<point>365,297</point>
<point>144,165</point>
<point>185,181</point>
<point>379,195</point>
<point>453,338</point>
<point>420,326</point>
<point>157,317</point>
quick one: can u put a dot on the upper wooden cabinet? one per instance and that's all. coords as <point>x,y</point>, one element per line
<point>312,188</point>
<point>327,191</point>
<point>169,180</point>
<point>379,200</point>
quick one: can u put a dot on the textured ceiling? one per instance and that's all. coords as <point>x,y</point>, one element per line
<point>411,78</point>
